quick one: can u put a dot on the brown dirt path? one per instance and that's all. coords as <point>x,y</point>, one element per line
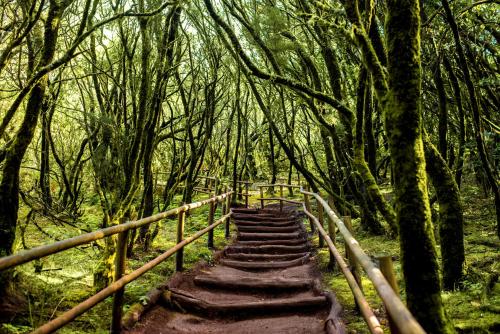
<point>264,283</point>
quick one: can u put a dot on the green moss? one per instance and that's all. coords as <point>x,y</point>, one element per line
<point>53,291</point>
<point>473,309</point>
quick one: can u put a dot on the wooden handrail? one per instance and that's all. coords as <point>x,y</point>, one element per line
<point>207,177</point>
<point>243,194</point>
<point>56,247</point>
<point>203,188</point>
<point>204,191</point>
<point>367,313</point>
<point>269,185</point>
<point>86,305</point>
<point>403,319</point>
<point>278,199</point>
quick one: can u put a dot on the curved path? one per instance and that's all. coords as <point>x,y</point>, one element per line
<point>263,283</point>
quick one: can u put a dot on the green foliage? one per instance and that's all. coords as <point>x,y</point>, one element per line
<point>13,329</point>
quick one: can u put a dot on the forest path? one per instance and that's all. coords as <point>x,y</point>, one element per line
<point>266,282</point>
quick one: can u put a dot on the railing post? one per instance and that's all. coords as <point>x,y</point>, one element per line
<point>179,256</point>
<point>331,233</point>
<point>387,269</point>
<point>207,181</point>
<point>281,190</point>
<point>224,207</point>
<point>223,203</point>
<point>211,213</point>
<point>121,257</point>
<point>261,197</point>
<point>321,220</point>
<point>308,207</point>
<point>353,263</point>
<point>246,195</point>
<point>228,209</point>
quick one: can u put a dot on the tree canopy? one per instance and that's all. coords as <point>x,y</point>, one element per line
<point>388,107</point>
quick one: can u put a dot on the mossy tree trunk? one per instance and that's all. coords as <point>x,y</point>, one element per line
<point>45,158</point>
<point>368,223</point>
<point>451,219</point>
<point>403,121</point>
<point>459,162</point>
<point>125,176</point>
<point>272,159</point>
<point>164,64</point>
<point>236,152</point>
<point>443,111</point>
<point>9,186</point>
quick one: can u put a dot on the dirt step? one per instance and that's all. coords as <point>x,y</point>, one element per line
<point>265,257</point>
<point>267,236</point>
<point>262,265</point>
<point>265,223</point>
<point>178,298</point>
<point>245,210</point>
<point>266,249</point>
<point>261,217</point>
<point>251,282</point>
<point>166,321</point>
<point>283,242</point>
<point>264,229</point>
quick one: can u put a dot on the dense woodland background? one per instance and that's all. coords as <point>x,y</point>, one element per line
<point>112,109</point>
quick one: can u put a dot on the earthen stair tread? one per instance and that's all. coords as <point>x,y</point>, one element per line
<point>163,321</point>
<point>213,302</point>
<point>250,282</point>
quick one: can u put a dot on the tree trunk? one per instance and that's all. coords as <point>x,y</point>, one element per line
<point>44,159</point>
<point>238,141</point>
<point>403,119</point>
<point>368,222</point>
<point>9,186</point>
<point>443,112</point>
<point>459,162</point>
<point>451,219</point>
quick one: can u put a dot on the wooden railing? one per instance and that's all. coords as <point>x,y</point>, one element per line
<point>121,280</point>
<point>213,184</point>
<point>401,321</point>
<point>400,318</point>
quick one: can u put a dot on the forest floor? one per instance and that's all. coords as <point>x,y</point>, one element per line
<point>66,278</point>
<point>474,308</point>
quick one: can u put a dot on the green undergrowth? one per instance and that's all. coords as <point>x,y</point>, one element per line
<point>474,307</point>
<point>58,282</point>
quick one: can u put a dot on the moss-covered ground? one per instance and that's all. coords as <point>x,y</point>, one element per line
<point>66,278</point>
<point>473,307</point>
